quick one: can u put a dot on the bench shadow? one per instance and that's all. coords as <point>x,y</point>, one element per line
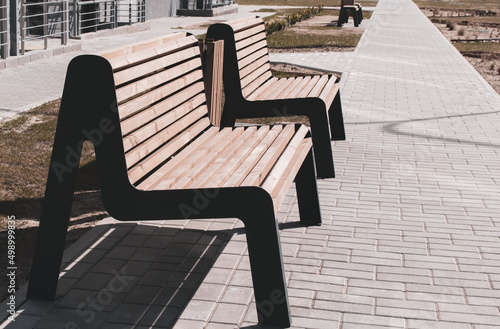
<point>139,275</point>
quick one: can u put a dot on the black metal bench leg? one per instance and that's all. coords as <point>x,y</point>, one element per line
<point>266,262</point>
<point>307,193</point>
<point>336,118</point>
<point>54,219</point>
<point>323,153</point>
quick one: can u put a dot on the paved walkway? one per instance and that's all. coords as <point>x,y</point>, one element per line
<point>411,233</point>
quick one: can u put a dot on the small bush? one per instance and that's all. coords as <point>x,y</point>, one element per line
<point>280,24</point>
<point>461,32</point>
<point>492,67</point>
<point>436,11</point>
<point>499,70</point>
<point>450,25</point>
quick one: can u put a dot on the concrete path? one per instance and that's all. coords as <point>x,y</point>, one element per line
<point>411,225</point>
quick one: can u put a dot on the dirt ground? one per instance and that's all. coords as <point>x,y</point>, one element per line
<point>487,64</point>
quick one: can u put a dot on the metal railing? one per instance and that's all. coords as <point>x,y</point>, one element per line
<point>4,28</point>
<point>43,21</point>
<point>205,4</point>
<point>94,15</point>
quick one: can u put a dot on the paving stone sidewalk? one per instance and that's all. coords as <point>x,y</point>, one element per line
<point>411,225</point>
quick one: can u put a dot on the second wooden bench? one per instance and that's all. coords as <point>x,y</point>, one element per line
<point>251,90</point>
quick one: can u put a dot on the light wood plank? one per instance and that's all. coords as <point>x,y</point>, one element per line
<point>146,165</point>
<point>242,24</point>
<point>254,75</point>
<point>152,181</point>
<point>272,92</point>
<point>221,177</point>
<point>249,163</point>
<point>269,84</point>
<point>139,46</point>
<point>261,63</point>
<point>307,89</point>
<point>204,180</point>
<point>295,90</point>
<point>284,92</point>
<point>251,49</point>
<point>251,40</point>
<point>269,158</point>
<point>199,167</point>
<point>242,34</point>
<point>141,143</point>
<point>134,58</point>
<point>283,174</point>
<point>165,95</point>
<point>152,66</point>
<point>256,83</point>
<point>132,89</point>
<point>253,57</point>
<point>318,87</point>
<point>329,92</point>
<point>182,163</point>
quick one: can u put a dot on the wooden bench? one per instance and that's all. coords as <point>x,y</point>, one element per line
<point>251,91</point>
<point>158,155</point>
<point>349,7</point>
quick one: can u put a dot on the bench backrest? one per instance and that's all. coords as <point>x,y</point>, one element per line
<point>251,52</point>
<point>161,99</point>
<point>347,3</point>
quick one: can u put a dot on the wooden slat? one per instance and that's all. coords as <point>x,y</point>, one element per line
<point>199,167</point>
<point>256,94</point>
<point>318,87</point>
<point>251,49</point>
<point>256,83</point>
<point>295,84</point>
<point>155,134</point>
<point>221,163</point>
<point>163,153</point>
<point>176,168</point>
<point>249,162</point>
<point>269,158</point>
<point>122,62</point>
<point>151,128</point>
<point>293,92</point>
<point>242,34</point>
<point>307,89</point>
<point>140,86</point>
<point>163,94</point>
<point>329,92</point>
<point>139,46</point>
<point>152,181</point>
<point>160,63</point>
<point>253,57</point>
<point>273,91</point>
<point>245,23</point>
<point>261,63</point>
<point>221,177</point>
<point>281,177</point>
<point>251,40</point>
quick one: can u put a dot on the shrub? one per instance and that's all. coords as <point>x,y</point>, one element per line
<point>280,24</point>
<point>450,25</point>
<point>461,32</point>
<point>492,67</point>
<point>436,11</point>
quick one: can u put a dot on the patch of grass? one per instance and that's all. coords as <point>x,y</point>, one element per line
<point>264,10</point>
<point>307,38</point>
<point>478,46</point>
<point>25,150</point>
